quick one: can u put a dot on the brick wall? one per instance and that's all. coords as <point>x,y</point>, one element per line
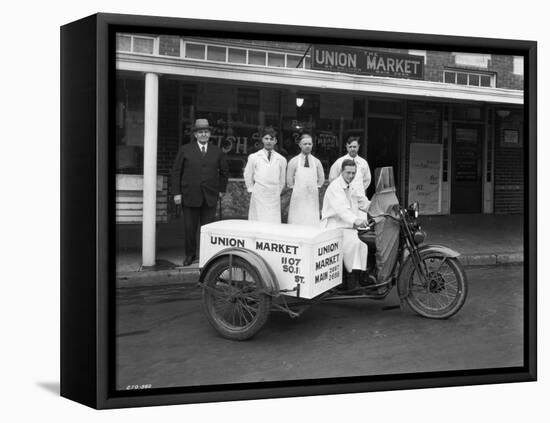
<point>504,66</point>
<point>436,61</point>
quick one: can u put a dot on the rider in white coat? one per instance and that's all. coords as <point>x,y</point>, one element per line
<point>264,176</point>
<point>363,176</point>
<point>305,176</point>
<point>341,209</point>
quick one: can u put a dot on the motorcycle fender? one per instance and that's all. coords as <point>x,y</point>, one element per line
<point>267,277</point>
<point>407,267</point>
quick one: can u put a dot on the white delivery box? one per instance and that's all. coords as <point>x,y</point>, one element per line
<point>297,254</point>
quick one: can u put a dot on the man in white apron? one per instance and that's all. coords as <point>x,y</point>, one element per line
<point>305,176</point>
<point>362,179</point>
<point>342,209</point>
<point>264,176</point>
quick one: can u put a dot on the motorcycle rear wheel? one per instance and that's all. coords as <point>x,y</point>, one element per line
<point>443,292</point>
<point>233,299</point>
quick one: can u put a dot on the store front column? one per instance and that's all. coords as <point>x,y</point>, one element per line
<point>150,169</point>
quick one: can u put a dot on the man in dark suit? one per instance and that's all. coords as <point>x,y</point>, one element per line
<point>199,177</point>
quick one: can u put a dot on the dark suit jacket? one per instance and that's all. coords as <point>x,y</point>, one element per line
<point>197,177</point>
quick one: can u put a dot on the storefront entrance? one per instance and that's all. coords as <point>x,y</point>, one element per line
<point>383,147</point>
<point>466,193</point>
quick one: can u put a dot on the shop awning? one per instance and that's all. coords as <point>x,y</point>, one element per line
<point>313,79</point>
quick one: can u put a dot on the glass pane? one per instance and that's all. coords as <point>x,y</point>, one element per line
<point>169,45</point>
<point>237,55</point>
<point>462,78</point>
<point>216,53</point>
<point>474,80</point>
<point>194,51</point>
<point>485,81</point>
<point>292,60</point>
<point>450,77</point>
<point>474,113</point>
<point>144,45</point>
<point>256,57</point>
<point>275,59</point>
<point>123,43</point>
<point>385,107</point>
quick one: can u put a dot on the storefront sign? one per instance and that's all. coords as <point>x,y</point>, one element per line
<point>425,177</point>
<point>368,62</point>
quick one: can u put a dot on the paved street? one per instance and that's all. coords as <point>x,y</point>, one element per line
<point>164,339</point>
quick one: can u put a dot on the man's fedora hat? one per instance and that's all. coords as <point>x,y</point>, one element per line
<point>201,124</point>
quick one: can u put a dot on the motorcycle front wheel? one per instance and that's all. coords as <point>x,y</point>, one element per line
<point>441,291</point>
<point>233,299</point>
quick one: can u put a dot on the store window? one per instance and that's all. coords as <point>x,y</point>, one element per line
<point>467,112</point>
<point>129,124</point>
<point>248,104</point>
<point>242,113</point>
<point>383,107</point>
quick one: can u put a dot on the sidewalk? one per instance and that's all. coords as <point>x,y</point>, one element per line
<point>481,240</point>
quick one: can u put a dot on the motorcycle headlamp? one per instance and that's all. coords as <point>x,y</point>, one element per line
<point>419,236</point>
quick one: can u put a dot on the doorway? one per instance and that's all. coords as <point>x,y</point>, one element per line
<point>466,192</point>
<point>383,147</point>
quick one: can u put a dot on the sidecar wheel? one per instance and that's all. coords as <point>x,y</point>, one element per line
<point>443,293</point>
<point>233,299</point>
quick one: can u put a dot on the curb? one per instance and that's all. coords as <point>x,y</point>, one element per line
<point>189,275</point>
<point>491,259</point>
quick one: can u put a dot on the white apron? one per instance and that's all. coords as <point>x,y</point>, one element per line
<point>304,203</point>
<point>265,202</point>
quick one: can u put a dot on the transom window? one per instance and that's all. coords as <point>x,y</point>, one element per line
<point>469,78</point>
<point>135,43</point>
<point>243,56</point>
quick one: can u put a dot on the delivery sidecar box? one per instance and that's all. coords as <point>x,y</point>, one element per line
<point>298,255</point>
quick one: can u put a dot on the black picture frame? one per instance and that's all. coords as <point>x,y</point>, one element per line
<point>87,226</point>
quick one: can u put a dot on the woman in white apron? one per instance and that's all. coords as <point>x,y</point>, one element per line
<point>264,177</point>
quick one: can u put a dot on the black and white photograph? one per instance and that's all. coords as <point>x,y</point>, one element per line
<point>284,205</point>
<point>306,211</point>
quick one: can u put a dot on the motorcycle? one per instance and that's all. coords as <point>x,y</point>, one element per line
<point>268,267</point>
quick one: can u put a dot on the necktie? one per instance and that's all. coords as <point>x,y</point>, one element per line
<point>269,156</point>
<point>203,150</point>
<point>306,163</point>
<point>348,195</point>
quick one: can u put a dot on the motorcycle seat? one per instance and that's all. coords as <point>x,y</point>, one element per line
<point>368,237</point>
